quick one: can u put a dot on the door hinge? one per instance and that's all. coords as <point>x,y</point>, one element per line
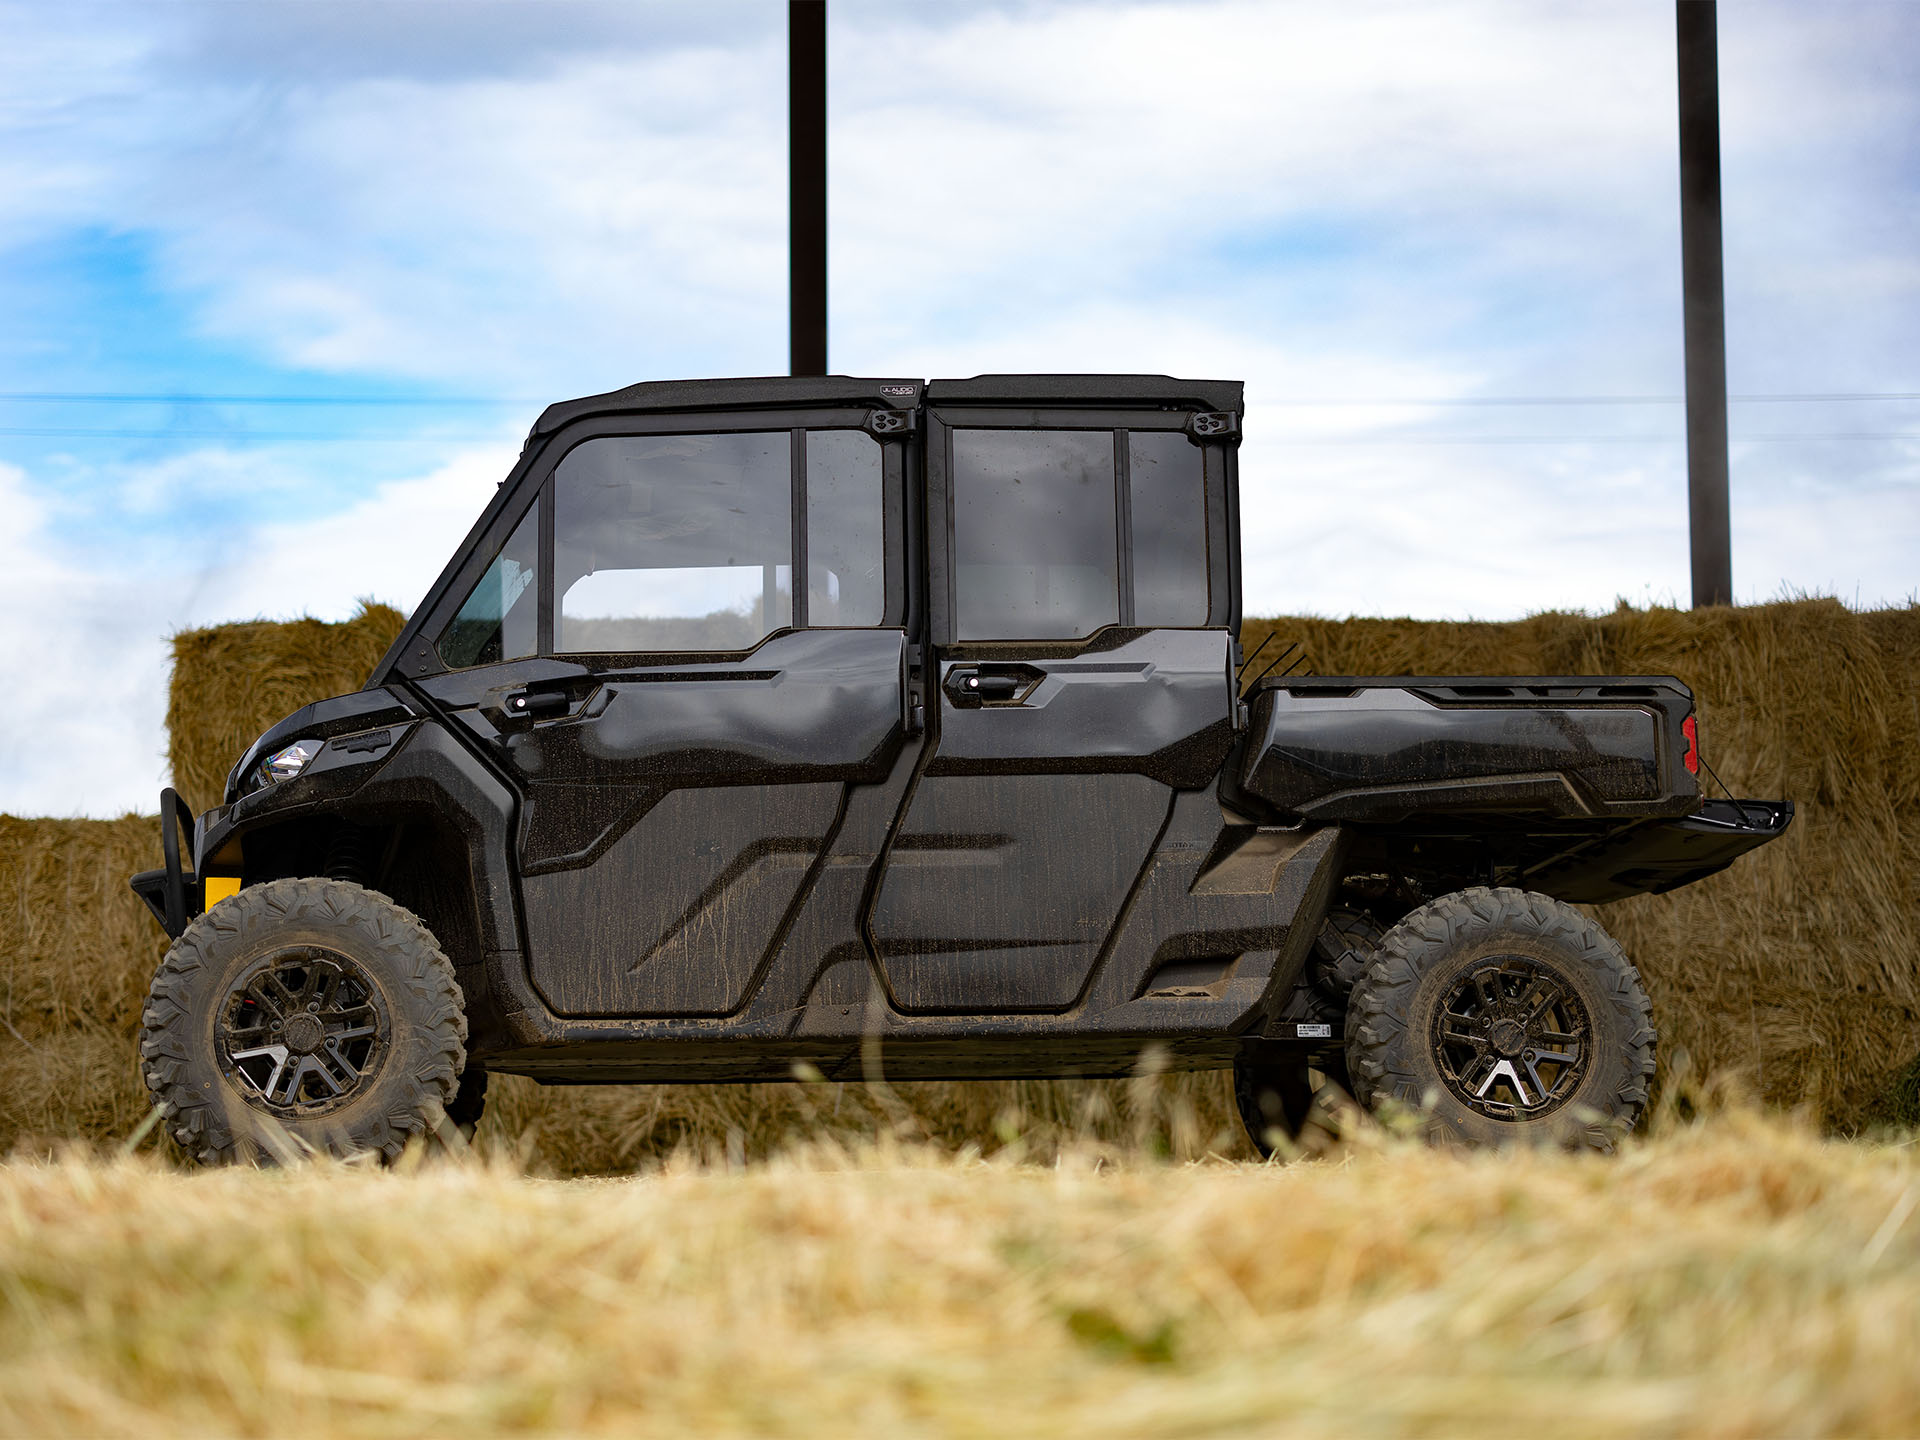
<point>1213,425</point>
<point>891,422</point>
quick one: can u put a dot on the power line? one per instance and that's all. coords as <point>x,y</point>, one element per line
<point>90,397</point>
<point>104,397</point>
<point>253,436</point>
<point>1585,439</point>
<point>1496,400</point>
<point>246,436</point>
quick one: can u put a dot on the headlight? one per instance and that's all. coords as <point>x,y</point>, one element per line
<point>287,763</point>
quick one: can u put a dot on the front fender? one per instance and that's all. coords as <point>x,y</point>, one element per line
<point>422,773</point>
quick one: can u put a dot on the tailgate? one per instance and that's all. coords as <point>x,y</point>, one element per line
<point>1662,854</point>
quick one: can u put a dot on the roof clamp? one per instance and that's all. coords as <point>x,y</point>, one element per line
<point>1213,425</point>
<point>890,422</point>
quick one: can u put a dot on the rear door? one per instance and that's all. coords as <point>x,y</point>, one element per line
<point>682,714</point>
<point>1081,607</point>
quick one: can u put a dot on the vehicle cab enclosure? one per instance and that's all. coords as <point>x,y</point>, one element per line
<point>761,723</point>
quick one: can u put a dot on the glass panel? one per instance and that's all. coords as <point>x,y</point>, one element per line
<point>1168,493</point>
<point>846,550</point>
<point>1033,534</point>
<point>673,542</point>
<point>500,619</point>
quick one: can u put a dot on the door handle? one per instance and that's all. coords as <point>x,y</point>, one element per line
<point>968,686</point>
<point>536,703</point>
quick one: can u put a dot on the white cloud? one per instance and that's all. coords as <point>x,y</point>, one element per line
<point>389,546</point>
<point>88,651</point>
<point>87,676</point>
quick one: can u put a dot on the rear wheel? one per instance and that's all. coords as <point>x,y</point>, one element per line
<point>303,1015</point>
<point>1504,1016</point>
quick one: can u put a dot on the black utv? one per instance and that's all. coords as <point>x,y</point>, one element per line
<point>780,726</point>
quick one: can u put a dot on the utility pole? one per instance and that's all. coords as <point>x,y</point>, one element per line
<point>807,185</point>
<point>1703,299</point>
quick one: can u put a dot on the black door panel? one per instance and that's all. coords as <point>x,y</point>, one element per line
<point>1000,890</point>
<point>677,914</point>
<point>812,704</point>
<point>809,705</point>
<point>669,818</point>
<point>1157,704</point>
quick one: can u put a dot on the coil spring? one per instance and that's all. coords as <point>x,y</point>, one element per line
<point>347,854</point>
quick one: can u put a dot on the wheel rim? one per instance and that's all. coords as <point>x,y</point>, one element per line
<point>302,1032</point>
<point>1512,1039</point>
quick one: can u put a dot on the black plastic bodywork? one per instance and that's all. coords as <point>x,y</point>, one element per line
<point>893,846</point>
<point>1576,788</point>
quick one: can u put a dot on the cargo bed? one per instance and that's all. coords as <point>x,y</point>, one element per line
<point>1586,789</point>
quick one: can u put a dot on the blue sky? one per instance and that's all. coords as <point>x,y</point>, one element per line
<point>1439,242</point>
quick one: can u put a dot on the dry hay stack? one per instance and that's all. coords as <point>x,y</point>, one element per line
<point>230,682</point>
<point>77,949</point>
<point>1800,966</point>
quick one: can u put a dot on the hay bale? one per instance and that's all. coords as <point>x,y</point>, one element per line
<point>77,950</point>
<point>230,682</point>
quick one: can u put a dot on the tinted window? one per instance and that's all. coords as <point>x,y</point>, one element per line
<point>1033,534</point>
<point>1167,496</point>
<point>673,542</point>
<point>500,619</point>
<point>846,556</point>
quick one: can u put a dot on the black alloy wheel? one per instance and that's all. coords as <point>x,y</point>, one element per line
<point>305,1016</point>
<point>301,1031</point>
<point>1502,1017</point>
<point>1512,1039</point>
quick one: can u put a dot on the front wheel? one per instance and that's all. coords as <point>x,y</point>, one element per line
<point>303,1015</point>
<point>1504,1016</point>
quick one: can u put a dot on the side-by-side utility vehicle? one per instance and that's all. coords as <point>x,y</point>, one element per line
<point>804,726</point>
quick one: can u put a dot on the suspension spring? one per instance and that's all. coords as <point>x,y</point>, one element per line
<point>347,854</point>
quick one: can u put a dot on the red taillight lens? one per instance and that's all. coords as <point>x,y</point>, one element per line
<point>1692,758</point>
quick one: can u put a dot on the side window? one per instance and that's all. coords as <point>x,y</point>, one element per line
<point>1167,501</point>
<point>499,620</point>
<point>846,537</point>
<point>1034,531</point>
<point>673,542</point>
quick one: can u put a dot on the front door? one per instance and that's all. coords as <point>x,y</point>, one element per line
<point>1083,676</point>
<point>686,731</point>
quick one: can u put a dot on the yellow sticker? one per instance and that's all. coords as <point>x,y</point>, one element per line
<point>219,887</point>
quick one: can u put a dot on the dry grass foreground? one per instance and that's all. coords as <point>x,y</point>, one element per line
<point>1736,1277</point>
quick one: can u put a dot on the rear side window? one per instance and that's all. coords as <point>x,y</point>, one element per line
<point>1167,493</point>
<point>1034,522</point>
<point>1039,520</point>
<point>673,542</point>
<point>846,534</point>
<point>500,618</point>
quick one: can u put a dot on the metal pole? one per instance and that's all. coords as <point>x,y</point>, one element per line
<point>1703,298</point>
<point>807,184</point>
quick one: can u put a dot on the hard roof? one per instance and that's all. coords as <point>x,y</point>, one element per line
<point>736,394</point>
<point>1087,390</point>
<point>797,391</point>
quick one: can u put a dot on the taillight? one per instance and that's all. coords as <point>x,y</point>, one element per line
<point>1692,758</point>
